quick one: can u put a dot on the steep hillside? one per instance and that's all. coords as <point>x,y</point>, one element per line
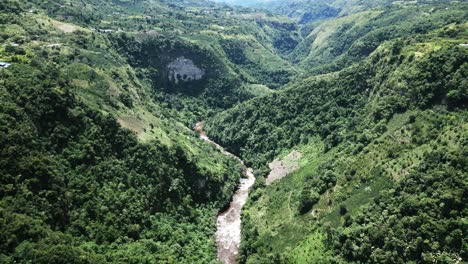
<point>369,134</point>
<point>76,187</point>
<point>93,168</point>
<point>220,53</point>
<point>337,43</point>
<point>218,64</point>
<point>327,105</point>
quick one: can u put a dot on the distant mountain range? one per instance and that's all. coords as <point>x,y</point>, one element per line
<point>307,11</point>
<point>247,3</point>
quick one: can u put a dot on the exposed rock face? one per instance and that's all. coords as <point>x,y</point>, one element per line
<point>281,168</point>
<point>182,69</point>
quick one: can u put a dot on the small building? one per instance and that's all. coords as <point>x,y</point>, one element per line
<point>105,30</point>
<point>4,65</point>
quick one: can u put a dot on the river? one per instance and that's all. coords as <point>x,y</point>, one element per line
<point>228,226</point>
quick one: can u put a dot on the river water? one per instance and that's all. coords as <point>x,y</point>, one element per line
<point>228,232</point>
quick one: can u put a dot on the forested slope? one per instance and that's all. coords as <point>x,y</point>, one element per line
<point>402,75</point>
<point>385,146</point>
<point>93,168</point>
<point>78,188</point>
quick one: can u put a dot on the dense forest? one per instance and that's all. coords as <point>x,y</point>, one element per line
<point>385,178</point>
<point>99,162</point>
<point>78,188</point>
<point>91,170</point>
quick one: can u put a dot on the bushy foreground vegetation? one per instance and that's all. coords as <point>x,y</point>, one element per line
<point>399,200</point>
<point>78,188</point>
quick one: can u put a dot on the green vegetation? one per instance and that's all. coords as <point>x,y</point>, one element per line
<point>99,163</point>
<point>71,177</point>
<point>338,43</point>
<point>76,187</point>
<point>339,106</point>
<point>393,128</point>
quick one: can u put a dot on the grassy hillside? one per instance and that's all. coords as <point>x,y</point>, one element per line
<point>382,138</point>
<point>310,11</point>
<point>213,37</point>
<point>337,43</point>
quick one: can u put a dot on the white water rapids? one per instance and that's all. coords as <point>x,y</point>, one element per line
<point>228,232</point>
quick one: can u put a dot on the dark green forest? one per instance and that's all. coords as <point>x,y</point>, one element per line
<point>99,162</point>
<point>78,188</point>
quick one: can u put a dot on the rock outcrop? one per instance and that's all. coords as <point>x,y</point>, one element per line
<point>182,69</point>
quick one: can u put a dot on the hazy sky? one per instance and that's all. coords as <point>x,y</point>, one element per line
<point>242,2</point>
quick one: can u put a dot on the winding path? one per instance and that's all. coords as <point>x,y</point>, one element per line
<point>228,233</point>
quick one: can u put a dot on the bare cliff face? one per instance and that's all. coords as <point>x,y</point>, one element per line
<point>184,70</point>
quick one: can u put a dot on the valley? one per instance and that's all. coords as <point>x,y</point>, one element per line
<point>333,132</point>
<point>228,232</point>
